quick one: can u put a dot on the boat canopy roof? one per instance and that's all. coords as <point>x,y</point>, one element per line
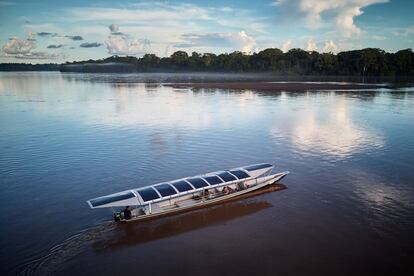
<point>164,191</point>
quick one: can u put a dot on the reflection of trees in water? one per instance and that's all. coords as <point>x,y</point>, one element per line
<point>142,232</point>
<point>151,87</point>
<point>29,86</point>
<point>400,95</point>
<point>245,93</point>
<point>361,95</point>
<point>152,78</point>
<point>217,77</point>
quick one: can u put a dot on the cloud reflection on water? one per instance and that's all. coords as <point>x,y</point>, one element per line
<point>126,104</point>
<point>130,105</point>
<point>312,128</point>
<point>334,133</point>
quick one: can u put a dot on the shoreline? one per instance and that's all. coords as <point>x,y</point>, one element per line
<point>240,81</point>
<point>276,86</point>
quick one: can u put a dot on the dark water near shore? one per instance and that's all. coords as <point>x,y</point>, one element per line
<point>64,138</point>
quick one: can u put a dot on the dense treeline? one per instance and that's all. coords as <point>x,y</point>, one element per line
<point>29,67</point>
<point>365,62</point>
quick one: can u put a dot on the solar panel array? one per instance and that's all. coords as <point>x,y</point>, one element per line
<point>192,183</point>
<point>180,186</point>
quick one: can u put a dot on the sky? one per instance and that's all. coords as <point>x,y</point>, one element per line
<point>59,31</point>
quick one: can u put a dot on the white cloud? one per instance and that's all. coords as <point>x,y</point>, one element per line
<point>17,46</point>
<point>322,13</point>
<point>239,41</point>
<point>330,46</point>
<point>244,41</point>
<point>23,49</point>
<point>164,23</point>
<point>323,47</point>
<point>120,44</point>
<point>286,45</point>
<point>311,45</point>
<point>345,21</point>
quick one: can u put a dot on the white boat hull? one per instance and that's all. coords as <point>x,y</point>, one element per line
<point>255,184</point>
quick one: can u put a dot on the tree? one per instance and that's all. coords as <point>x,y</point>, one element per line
<point>267,60</point>
<point>179,59</point>
<point>402,63</point>
<point>148,62</point>
<point>208,59</point>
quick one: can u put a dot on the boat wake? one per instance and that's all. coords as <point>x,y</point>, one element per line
<point>61,253</point>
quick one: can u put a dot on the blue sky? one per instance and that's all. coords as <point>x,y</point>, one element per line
<point>58,31</point>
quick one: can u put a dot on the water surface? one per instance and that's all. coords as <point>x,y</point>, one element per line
<point>64,138</point>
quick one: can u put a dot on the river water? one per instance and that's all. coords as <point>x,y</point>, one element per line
<point>65,138</point>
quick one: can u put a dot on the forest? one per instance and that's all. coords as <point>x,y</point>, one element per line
<point>364,62</point>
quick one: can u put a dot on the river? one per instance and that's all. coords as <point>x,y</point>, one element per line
<point>65,138</point>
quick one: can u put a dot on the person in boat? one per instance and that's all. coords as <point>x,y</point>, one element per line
<point>241,186</point>
<point>127,213</point>
<point>206,193</point>
<point>213,192</point>
<point>225,190</point>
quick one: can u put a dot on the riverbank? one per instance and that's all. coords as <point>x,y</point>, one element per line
<point>278,86</point>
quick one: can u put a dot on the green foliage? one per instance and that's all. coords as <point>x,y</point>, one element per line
<point>364,62</point>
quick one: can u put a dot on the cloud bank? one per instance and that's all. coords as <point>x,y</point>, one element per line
<point>322,13</point>
<point>17,46</point>
<point>119,43</point>
<point>24,49</point>
<point>232,41</point>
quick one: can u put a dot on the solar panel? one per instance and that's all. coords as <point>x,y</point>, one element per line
<point>213,180</point>
<point>182,186</point>
<point>226,176</point>
<point>111,198</point>
<point>257,167</point>
<point>148,194</point>
<point>165,189</point>
<point>197,182</point>
<point>240,174</point>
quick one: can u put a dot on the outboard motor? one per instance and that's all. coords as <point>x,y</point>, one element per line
<point>117,216</point>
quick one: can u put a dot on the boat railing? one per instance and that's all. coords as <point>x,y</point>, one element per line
<point>199,194</point>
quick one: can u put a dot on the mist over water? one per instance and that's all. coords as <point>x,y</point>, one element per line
<point>65,138</point>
